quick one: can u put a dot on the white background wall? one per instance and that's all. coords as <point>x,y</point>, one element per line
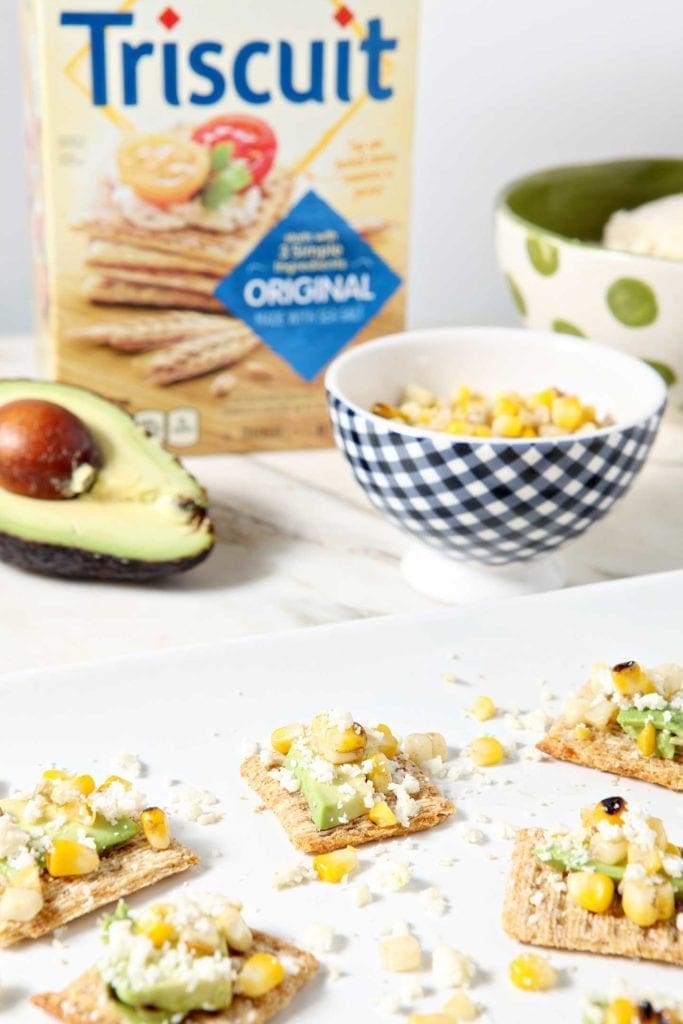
<point>506,86</point>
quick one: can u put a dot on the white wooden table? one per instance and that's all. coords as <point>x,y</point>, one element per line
<point>298,545</point>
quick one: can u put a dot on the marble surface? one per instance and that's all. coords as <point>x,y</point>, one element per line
<point>298,545</point>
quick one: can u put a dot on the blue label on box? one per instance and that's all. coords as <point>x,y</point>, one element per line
<point>309,286</point>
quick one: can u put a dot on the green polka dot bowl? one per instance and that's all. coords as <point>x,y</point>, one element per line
<point>549,227</point>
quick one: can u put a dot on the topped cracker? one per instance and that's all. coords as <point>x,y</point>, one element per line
<point>336,783</point>
<point>195,950</point>
<point>627,720</point>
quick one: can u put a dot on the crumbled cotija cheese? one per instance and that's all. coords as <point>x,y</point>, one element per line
<point>129,765</point>
<point>450,968</point>
<point>393,875</point>
<point>319,938</point>
<point>116,802</point>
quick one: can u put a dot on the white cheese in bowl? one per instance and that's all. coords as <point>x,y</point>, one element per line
<point>653,229</point>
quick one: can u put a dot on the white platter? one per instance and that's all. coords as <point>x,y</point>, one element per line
<point>186,712</point>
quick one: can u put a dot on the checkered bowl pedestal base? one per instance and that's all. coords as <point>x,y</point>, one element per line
<point>493,503</point>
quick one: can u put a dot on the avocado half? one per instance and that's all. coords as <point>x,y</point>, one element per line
<point>144,518</point>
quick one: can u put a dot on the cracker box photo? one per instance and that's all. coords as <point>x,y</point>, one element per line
<point>220,204</point>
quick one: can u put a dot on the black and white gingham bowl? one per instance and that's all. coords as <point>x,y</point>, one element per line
<point>493,501</point>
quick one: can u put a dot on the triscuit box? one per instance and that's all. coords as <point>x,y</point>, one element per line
<point>221,203</point>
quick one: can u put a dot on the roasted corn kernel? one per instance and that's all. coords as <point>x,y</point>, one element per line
<point>532,973</point>
<point>591,890</point>
<point>67,858</point>
<point>630,679</point>
<point>620,1011</point>
<point>486,751</point>
<point>334,867</point>
<point>647,740</point>
<point>260,973</point>
<point>282,738</point>
<point>382,815</point>
<point>388,744</point>
<point>157,931</point>
<point>483,709</point>
<point>582,732</point>
<point>155,826</point>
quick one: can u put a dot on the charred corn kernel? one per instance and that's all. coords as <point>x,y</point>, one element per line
<point>591,890</point>
<point>400,953</point>
<point>85,784</point>
<point>532,973</point>
<point>282,738</point>
<point>646,903</point>
<point>630,679</point>
<point>20,905</point>
<point>507,426</point>
<point>380,773</point>
<point>582,732</point>
<point>566,412</point>
<point>334,867</point>
<point>486,751</point>
<point>56,775</point>
<point>620,1011</point>
<point>460,1007</point>
<point>337,745</point>
<point>647,740</point>
<point>388,744</point>
<point>158,932</point>
<point>67,858</point>
<point>260,973</point>
<point>611,809</point>
<point>110,780</point>
<point>389,412</point>
<point>352,739</point>
<point>483,709</point>
<point>155,826</point>
<point>382,815</point>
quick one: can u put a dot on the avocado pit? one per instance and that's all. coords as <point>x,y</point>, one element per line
<point>46,451</point>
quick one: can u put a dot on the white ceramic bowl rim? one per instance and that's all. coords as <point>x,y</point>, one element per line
<point>643,378</point>
<point>502,206</point>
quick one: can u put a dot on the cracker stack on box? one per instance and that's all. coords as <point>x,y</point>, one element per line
<point>221,203</point>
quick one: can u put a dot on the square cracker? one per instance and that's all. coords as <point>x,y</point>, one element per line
<point>295,816</point>
<point>559,923</point>
<point>85,1001</point>
<point>610,751</point>
<point>122,872</point>
<point>107,291</point>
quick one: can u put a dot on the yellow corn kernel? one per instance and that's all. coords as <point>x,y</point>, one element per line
<point>620,1011</point>
<point>433,1018</point>
<point>588,414</point>
<point>528,432</point>
<point>334,867</point>
<point>389,412</point>
<point>566,412</point>
<point>506,405</point>
<point>110,780</point>
<point>260,973</point>
<point>388,744</point>
<point>462,395</point>
<point>380,773</point>
<point>282,738</point>
<point>646,903</point>
<point>483,709</point>
<point>85,784</point>
<point>546,397</point>
<point>458,427</point>
<point>661,838</point>
<point>507,426</point>
<point>460,1007</point>
<point>611,809</point>
<point>532,973</point>
<point>481,430</point>
<point>630,679</point>
<point>158,932</point>
<point>591,890</point>
<point>647,740</point>
<point>68,858</point>
<point>650,859</point>
<point>382,815</point>
<point>486,751</point>
<point>56,775</point>
<point>155,826</point>
<point>582,732</point>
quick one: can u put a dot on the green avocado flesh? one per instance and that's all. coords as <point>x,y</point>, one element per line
<point>559,860</point>
<point>668,723</point>
<point>105,834</point>
<point>152,1005</point>
<point>143,507</point>
<point>328,804</point>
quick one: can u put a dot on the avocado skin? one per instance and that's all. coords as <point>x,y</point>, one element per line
<point>79,564</point>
